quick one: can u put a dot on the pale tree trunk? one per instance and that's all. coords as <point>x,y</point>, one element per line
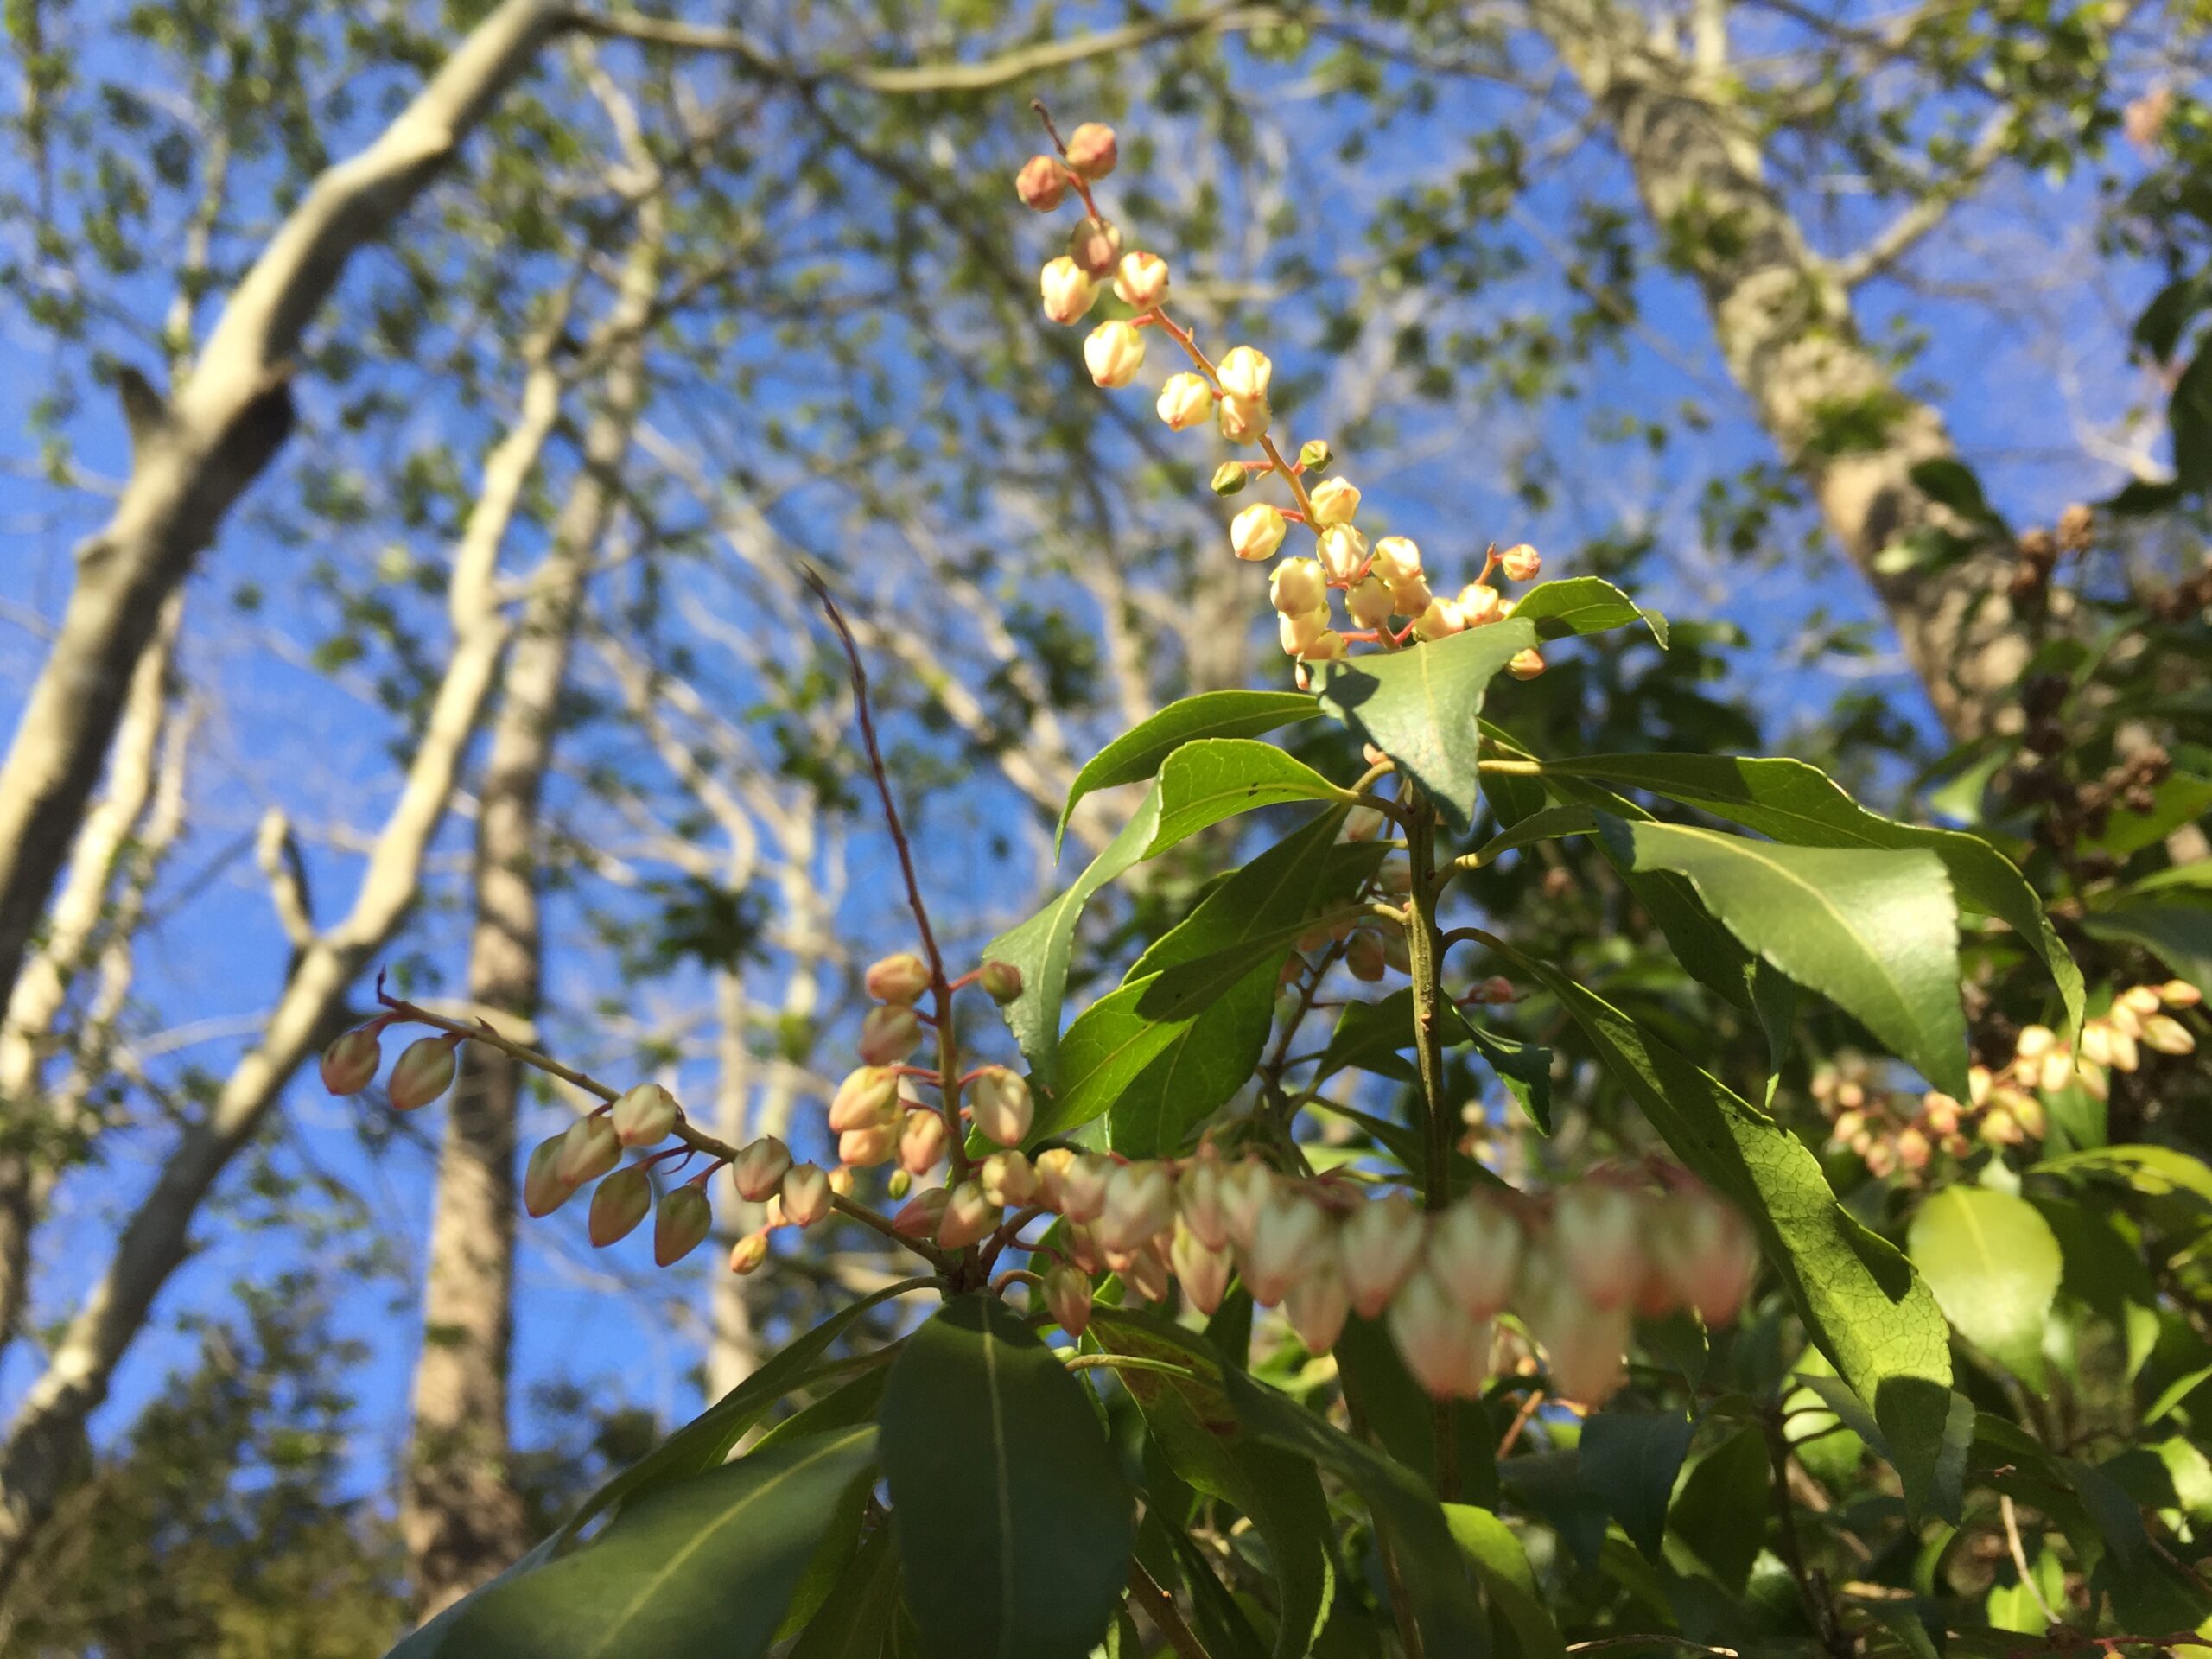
<point>195,451</point>
<point>43,1440</point>
<point>32,1031</point>
<point>461,1517</point>
<point>1783,318</point>
<point>732,1334</point>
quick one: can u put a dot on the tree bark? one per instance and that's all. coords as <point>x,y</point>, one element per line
<point>194,453</point>
<point>1784,323</point>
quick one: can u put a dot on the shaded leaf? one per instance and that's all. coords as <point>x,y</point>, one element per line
<point>1629,1461</point>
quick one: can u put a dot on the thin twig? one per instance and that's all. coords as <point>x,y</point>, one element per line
<point>1160,1607</point>
<point>2020,1559</point>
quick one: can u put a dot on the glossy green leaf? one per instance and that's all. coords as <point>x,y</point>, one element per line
<point>1721,1514</point>
<point>1438,1585</point>
<point>1547,824</point>
<point>1873,930</point>
<point>1502,1566</point>
<point>1375,1037</point>
<point>1419,707</point>
<point>856,1619</point>
<point>1584,604</point>
<point>2179,934</point>
<point>1629,1461</point>
<point>1042,946</point>
<point>1802,806</point>
<point>1995,1265</point>
<point>1013,1521</point>
<point>1206,782</point>
<point>703,1566</point>
<point>1859,1298</point>
<point>1139,752</point>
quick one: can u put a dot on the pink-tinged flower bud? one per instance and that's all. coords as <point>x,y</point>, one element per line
<point>349,1063</point>
<point>1379,1244</point>
<point>1445,1351</point>
<point>1344,553</point>
<point>1007,1179</point>
<point>1370,601</point>
<point>970,1216</point>
<point>1410,597</point>
<point>805,1195</point>
<point>748,1253</point>
<point>1363,958</point>
<point>645,1116</point>
<point>1243,420</point>
<point>1042,183</point>
<point>543,1190</point>
<point>867,1099</point>
<point>1296,586</point>
<point>2164,1034</point>
<point>1495,990</point>
<point>1245,374</point>
<point>1083,1248</point>
<point>1291,1236</point>
<point>1052,1166</point>
<point>685,1219</point>
<point>1067,1297</point>
<point>1001,980</point>
<point>1521,562</point>
<point>1526,664</point>
<point>1334,501</point>
<point>888,1035</point>
<point>1480,605</point>
<point>2034,1042</point>
<point>1474,1247</point>
<point>1083,1187</point>
<point>1146,1273</point>
<point>1203,1268</point>
<point>1139,1202</point>
<point>1067,292</point>
<point>2143,999</point>
<point>921,1142</point>
<point>900,978</point>
<point>1245,1188</point>
<point>1439,621</point>
<point>1114,353</point>
<point>1256,532</point>
<point>1198,1200</point>
<point>1317,1306</point>
<point>1707,1253</point>
<point>1002,1106</point>
<point>424,1072</point>
<point>1940,1111</point>
<point>617,1204</point>
<point>588,1150</point>
<point>2179,993</point>
<point>1596,1237</point>
<point>1583,1344</point>
<point>760,1169</point>
<point>1141,281</point>
<point>1362,823</point>
<point>1397,560</point>
<point>1184,402</point>
<point>1297,633</point>
<point>1095,245</point>
<point>919,1217</point>
<point>1092,150</point>
<point>866,1149</point>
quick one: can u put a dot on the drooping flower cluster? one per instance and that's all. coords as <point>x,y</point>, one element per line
<point>1389,598</point>
<point>1893,1132</point>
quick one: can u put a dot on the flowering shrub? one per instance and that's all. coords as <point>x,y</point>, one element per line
<point>1101,1204</point>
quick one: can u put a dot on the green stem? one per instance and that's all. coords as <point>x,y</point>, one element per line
<point>1425,954</point>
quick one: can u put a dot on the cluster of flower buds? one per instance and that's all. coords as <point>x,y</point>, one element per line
<point>1576,1266</point>
<point>424,1071</point>
<point>1899,1134</point>
<point>1389,599</point>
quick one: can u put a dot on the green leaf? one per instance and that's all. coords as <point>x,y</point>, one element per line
<point>1953,483</point>
<point>1204,782</point>
<point>1548,823</point>
<point>1371,1037</point>
<point>1013,1518</point>
<point>1138,752</point>
<point>1994,1266</point>
<point>704,1567</point>
<point>2179,935</point>
<point>1860,1299</point>
<point>1503,1566</point>
<point>1041,946</point>
<point>863,1606</point>
<point>1875,930</point>
<point>1402,1418</point>
<point>1800,804</point>
<point>1584,604</point>
<point>1437,1587</point>
<point>1419,707</point>
<point>2181,798</point>
<point>1630,1459</point>
<point>1721,1514</point>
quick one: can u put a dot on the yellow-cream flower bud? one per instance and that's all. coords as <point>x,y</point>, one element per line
<point>1439,621</point>
<point>1410,597</point>
<point>1526,664</point>
<point>1067,1295</point>
<point>1243,420</point>
<point>805,1195</point>
<point>1298,586</point>
<point>1299,632</point>
<point>1257,531</point>
<point>1114,354</point>
<point>902,978</point>
<point>1006,1179</point>
<point>1344,553</point>
<point>1141,281</point>
<point>1370,601</point>
<point>1480,604</point>
<point>1245,374</point>
<point>969,1217</point>
<point>2167,1035</point>
<point>1203,1267</point>
<point>759,1170</point>
<point>1002,1105</point>
<point>2179,993</point>
<point>921,1142</point>
<point>1042,183</point>
<point>1334,501</point>
<point>1325,647</point>
<point>1186,401</point>
<point>1521,562</point>
<point>1093,150</point>
<point>748,1253</point>
<point>1068,292</point>
<point>1397,559</point>
<point>2144,999</point>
